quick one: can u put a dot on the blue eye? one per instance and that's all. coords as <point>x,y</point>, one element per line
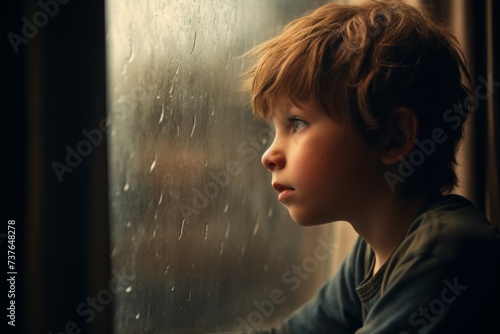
<point>297,124</point>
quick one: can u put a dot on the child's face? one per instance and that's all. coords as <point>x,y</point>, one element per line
<point>322,170</point>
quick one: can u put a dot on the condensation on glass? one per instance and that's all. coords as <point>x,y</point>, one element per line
<point>196,230</point>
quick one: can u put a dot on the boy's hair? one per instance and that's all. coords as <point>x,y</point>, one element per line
<point>365,61</point>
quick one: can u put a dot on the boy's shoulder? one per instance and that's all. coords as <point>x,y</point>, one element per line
<point>449,226</point>
<point>450,233</point>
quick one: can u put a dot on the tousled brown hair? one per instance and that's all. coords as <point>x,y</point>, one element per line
<point>364,61</point>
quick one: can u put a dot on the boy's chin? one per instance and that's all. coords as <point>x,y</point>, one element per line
<point>308,221</point>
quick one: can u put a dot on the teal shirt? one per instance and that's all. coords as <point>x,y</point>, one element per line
<point>443,277</point>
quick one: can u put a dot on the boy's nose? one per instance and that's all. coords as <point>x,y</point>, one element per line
<point>273,158</point>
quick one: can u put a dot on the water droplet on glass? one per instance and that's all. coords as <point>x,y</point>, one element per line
<point>153,164</point>
<point>194,43</point>
<point>194,125</point>
<point>182,229</point>
<point>270,211</point>
<point>256,228</point>
<point>228,60</point>
<point>130,56</point>
<point>162,113</point>
<point>171,88</point>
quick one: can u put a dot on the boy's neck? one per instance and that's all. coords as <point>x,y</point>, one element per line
<point>386,222</point>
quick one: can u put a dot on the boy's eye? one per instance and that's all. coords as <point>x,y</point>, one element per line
<point>297,124</point>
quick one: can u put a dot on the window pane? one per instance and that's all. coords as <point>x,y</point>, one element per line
<point>197,232</point>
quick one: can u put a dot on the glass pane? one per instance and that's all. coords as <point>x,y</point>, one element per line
<point>199,239</point>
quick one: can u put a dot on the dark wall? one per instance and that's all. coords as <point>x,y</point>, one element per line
<point>57,77</point>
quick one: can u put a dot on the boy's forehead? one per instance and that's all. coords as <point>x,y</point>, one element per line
<point>285,107</point>
<point>280,108</point>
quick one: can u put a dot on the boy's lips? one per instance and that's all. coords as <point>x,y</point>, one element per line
<point>284,191</point>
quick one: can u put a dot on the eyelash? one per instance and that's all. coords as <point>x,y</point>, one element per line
<point>294,121</point>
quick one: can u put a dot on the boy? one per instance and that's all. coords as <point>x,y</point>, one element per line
<point>368,104</point>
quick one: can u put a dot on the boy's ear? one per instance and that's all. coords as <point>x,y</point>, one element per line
<point>399,138</point>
